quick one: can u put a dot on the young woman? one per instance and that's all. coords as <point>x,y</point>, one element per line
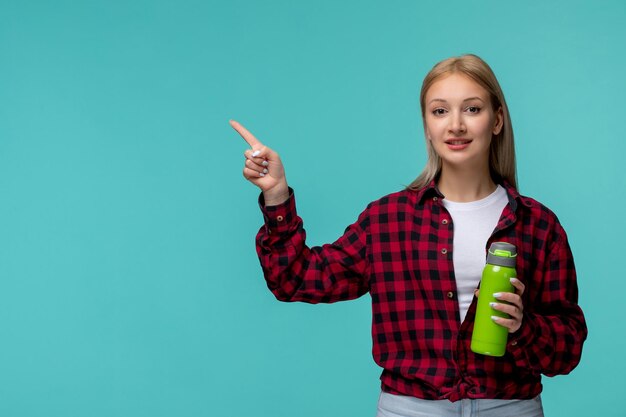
<point>420,252</point>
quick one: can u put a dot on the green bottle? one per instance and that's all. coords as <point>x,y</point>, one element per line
<point>488,337</point>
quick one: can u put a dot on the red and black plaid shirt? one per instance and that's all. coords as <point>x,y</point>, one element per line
<point>400,251</point>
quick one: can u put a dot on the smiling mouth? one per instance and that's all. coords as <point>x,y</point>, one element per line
<point>458,141</point>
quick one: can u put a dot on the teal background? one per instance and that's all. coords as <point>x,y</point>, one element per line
<point>129,283</point>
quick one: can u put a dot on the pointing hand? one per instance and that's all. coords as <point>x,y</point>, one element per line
<point>263,168</point>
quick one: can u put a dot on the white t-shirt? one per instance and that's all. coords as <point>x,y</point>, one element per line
<point>473,223</point>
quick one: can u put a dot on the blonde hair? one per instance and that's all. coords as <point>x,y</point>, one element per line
<point>502,150</point>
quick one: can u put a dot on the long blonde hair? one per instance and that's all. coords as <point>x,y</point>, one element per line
<point>502,152</point>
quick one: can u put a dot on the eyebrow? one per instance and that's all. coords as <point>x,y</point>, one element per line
<point>467,99</point>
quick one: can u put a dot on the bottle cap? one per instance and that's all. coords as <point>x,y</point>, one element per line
<point>502,254</point>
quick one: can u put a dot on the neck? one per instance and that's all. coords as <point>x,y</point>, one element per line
<point>465,185</point>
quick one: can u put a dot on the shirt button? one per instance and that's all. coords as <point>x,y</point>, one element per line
<point>435,198</point>
<point>444,221</point>
<point>444,251</point>
<point>280,218</point>
<point>514,343</point>
<point>450,295</point>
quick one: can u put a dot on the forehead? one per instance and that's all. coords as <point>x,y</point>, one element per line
<point>455,87</point>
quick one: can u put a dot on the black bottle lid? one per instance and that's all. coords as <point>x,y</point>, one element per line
<point>502,254</point>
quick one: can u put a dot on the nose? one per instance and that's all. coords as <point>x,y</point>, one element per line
<point>456,122</point>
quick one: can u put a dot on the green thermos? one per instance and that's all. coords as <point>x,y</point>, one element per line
<point>488,337</point>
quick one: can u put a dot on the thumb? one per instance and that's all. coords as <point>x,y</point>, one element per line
<point>262,153</point>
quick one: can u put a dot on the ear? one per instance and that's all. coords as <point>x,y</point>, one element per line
<point>499,121</point>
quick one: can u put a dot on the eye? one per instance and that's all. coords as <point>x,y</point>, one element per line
<point>439,111</point>
<point>473,109</point>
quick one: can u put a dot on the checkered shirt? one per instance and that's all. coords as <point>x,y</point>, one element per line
<point>400,251</point>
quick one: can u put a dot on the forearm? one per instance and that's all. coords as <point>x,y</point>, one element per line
<point>553,330</point>
<point>550,344</point>
<point>295,272</point>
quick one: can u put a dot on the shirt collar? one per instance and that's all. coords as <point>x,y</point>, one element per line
<point>512,193</point>
<point>431,190</point>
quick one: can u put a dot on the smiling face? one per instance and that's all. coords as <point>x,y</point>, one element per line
<point>459,122</point>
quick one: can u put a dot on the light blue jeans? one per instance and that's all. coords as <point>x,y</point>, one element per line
<point>390,405</point>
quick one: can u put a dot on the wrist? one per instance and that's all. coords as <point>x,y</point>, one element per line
<point>277,195</point>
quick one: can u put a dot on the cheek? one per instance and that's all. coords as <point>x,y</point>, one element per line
<point>432,127</point>
<point>483,127</point>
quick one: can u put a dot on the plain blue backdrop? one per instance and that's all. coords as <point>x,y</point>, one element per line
<point>129,283</point>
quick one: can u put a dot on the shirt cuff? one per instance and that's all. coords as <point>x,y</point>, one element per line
<point>279,218</point>
<point>519,341</point>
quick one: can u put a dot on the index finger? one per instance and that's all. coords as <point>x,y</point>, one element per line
<point>245,134</point>
<point>519,285</point>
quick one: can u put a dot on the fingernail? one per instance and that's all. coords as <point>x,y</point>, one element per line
<point>493,304</point>
<point>261,174</point>
<point>513,279</point>
<point>494,318</point>
<point>265,163</point>
<point>256,153</point>
<point>265,171</point>
<point>497,294</point>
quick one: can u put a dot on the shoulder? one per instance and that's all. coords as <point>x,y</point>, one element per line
<point>395,207</point>
<point>394,200</point>
<point>535,207</point>
<point>538,214</point>
<point>528,206</point>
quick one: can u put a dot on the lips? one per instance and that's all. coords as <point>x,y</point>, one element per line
<point>457,144</point>
<point>458,141</point>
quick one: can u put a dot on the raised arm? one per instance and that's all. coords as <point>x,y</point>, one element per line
<point>293,271</point>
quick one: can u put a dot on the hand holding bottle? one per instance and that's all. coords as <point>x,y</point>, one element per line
<point>513,306</point>
<point>499,286</point>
